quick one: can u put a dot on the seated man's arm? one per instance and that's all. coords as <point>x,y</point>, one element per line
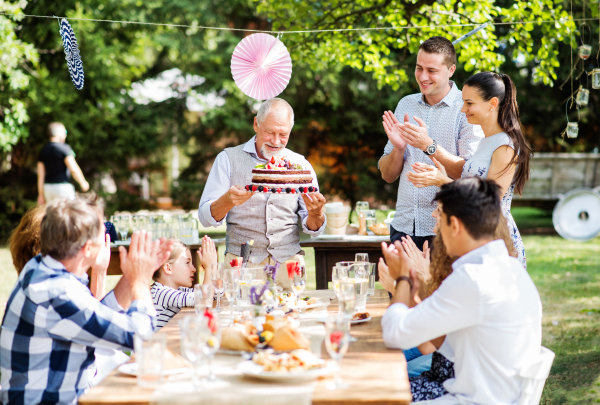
<point>453,306</point>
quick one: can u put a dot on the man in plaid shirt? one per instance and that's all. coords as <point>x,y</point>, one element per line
<point>53,324</point>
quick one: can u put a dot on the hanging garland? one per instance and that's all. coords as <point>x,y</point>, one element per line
<point>72,53</point>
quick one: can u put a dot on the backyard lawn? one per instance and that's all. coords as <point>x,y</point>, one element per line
<point>567,275</point>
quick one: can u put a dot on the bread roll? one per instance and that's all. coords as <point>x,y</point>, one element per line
<point>234,338</point>
<point>287,338</point>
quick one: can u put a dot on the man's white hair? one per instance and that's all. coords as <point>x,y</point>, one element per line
<point>281,107</point>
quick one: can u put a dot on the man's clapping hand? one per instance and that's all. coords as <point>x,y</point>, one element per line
<point>144,256</point>
<point>393,129</point>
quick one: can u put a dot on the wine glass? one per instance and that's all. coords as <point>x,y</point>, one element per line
<point>299,284</point>
<point>217,282</point>
<point>336,343</point>
<point>347,302</point>
<point>192,347</point>
<point>338,274</point>
<point>210,336</point>
<point>121,223</point>
<point>232,287</point>
<point>203,298</point>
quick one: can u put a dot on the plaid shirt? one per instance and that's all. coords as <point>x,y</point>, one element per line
<point>50,329</point>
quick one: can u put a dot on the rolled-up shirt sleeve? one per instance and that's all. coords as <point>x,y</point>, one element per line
<point>453,306</point>
<point>217,184</point>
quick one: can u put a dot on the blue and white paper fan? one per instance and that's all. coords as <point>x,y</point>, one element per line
<point>72,53</point>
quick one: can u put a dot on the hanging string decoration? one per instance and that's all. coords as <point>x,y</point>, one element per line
<point>261,66</point>
<point>72,53</point>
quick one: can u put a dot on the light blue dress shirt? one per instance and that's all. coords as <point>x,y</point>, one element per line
<point>219,181</point>
<point>450,129</point>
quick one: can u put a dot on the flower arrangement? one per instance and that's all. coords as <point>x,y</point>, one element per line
<point>271,272</point>
<point>262,298</point>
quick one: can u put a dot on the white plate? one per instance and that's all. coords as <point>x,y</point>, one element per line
<point>318,304</point>
<point>324,319</point>
<point>251,369</point>
<point>131,369</point>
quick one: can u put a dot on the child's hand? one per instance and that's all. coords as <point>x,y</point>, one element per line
<point>207,253</point>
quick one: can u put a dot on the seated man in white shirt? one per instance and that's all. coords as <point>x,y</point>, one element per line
<point>485,316</point>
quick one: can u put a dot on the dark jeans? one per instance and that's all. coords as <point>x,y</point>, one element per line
<point>419,240</point>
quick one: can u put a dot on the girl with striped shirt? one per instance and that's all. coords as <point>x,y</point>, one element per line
<point>173,281</point>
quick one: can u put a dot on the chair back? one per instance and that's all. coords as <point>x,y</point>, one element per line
<point>534,375</point>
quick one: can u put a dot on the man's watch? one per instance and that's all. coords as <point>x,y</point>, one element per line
<point>431,149</point>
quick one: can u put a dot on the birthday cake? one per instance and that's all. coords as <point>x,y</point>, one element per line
<point>279,175</point>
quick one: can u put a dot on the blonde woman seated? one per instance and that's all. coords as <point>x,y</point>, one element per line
<point>173,281</point>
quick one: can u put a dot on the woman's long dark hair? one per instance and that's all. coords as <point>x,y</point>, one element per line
<point>489,85</point>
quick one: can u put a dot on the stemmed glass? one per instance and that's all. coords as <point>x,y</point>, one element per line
<point>347,302</point>
<point>192,347</point>
<point>217,282</point>
<point>210,336</point>
<point>203,298</point>
<point>121,223</point>
<point>336,342</point>
<point>299,283</point>
<point>232,287</point>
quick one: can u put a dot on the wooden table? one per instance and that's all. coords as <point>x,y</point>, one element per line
<point>114,267</point>
<point>375,374</point>
<point>329,251</point>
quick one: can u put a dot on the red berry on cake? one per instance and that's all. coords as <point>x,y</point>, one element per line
<point>279,190</point>
<point>254,188</point>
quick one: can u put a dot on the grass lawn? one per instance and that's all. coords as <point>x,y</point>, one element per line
<point>567,275</point>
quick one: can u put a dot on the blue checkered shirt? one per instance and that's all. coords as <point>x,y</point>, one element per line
<point>50,330</point>
<point>450,129</point>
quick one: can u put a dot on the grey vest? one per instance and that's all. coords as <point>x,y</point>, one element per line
<point>271,220</point>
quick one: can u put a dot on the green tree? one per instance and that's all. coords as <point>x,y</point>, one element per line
<point>404,24</point>
<point>15,74</point>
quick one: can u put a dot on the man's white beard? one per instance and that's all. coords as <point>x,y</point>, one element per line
<point>267,154</point>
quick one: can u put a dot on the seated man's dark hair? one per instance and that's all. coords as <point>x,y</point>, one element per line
<point>475,202</point>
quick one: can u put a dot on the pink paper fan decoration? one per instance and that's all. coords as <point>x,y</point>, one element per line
<point>261,66</point>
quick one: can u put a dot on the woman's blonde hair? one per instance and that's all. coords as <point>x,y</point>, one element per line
<point>441,263</point>
<point>179,248</point>
<point>25,241</point>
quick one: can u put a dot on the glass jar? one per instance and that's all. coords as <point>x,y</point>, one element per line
<point>595,78</point>
<point>585,51</point>
<point>572,130</point>
<point>582,98</point>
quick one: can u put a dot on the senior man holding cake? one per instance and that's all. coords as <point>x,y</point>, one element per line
<point>261,189</point>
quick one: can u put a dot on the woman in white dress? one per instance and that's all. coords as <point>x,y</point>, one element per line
<point>503,155</point>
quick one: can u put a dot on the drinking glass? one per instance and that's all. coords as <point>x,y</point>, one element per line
<point>217,283</point>
<point>121,223</point>
<point>360,271</point>
<point>210,337</point>
<point>336,342</point>
<point>232,286</point>
<point>299,284</point>
<point>192,347</point>
<point>338,274</point>
<point>149,356</point>
<point>361,257</point>
<point>203,298</point>
<point>371,270</point>
<point>347,299</point>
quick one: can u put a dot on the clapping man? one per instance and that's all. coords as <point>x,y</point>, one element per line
<point>486,316</point>
<point>432,129</point>
<point>53,324</point>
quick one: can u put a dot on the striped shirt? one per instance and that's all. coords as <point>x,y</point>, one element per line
<point>450,129</point>
<point>168,301</point>
<point>51,328</point>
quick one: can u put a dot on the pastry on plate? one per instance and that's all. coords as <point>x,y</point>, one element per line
<point>287,338</point>
<point>359,316</point>
<point>236,338</point>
